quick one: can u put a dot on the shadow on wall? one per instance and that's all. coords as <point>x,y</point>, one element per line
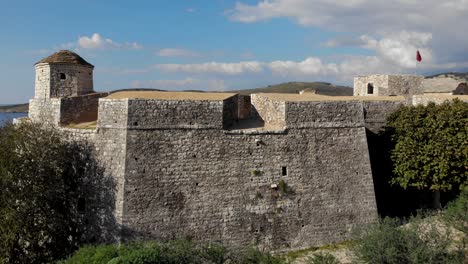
<point>394,201</point>
<point>96,204</point>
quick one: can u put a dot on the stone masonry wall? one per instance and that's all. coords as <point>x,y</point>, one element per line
<point>324,114</point>
<point>42,81</point>
<point>380,83</point>
<point>231,111</point>
<point>272,112</point>
<point>404,85</point>
<point>78,80</point>
<point>79,109</point>
<point>166,114</point>
<point>111,146</point>
<point>377,112</point>
<point>46,111</point>
<point>211,185</point>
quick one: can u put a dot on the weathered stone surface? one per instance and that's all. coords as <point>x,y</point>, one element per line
<point>388,85</point>
<point>278,173</point>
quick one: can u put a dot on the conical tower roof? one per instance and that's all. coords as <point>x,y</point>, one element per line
<point>65,57</point>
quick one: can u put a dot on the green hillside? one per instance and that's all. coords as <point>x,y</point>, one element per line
<point>462,76</point>
<point>323,88</point>
<point>17,108</point>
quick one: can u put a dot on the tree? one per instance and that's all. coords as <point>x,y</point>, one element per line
<point>431,147</point>
<point>53,195</point>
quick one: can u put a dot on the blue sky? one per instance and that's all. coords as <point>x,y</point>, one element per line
<point>223,45</point>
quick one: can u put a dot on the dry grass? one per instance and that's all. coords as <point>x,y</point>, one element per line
<point>195,96</point>
<point>315,97</point>
<point>84,125</point>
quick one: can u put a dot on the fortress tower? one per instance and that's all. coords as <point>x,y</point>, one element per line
<point>64,90</point>
<point>388,85</point>
<point>63,74</point>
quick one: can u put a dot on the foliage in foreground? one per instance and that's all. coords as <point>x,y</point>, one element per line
<point>179,251</point>
<point>45,184</point>
<point>431,147</point>
<point>423,240</point>
<point>456,216</point>
<point>322,258</point>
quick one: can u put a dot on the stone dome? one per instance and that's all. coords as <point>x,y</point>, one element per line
<point>65,57</point>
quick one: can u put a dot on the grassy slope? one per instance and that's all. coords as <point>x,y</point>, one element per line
<point>17,108</point>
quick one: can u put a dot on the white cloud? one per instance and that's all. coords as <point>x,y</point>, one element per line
<point>400,49</point>
<point>182,84</point>
<point>383,20</point>
<point>309,66</point>
<point>213,67</point>
<point>176,52</point>
<point>96,41</point>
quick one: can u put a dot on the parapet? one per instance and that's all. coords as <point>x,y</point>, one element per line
<point>304,111</point>
<point>167,110</point>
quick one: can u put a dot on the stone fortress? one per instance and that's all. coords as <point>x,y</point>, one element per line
<point>281,171</point>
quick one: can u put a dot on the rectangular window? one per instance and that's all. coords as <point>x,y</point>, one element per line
<point>284,171</point>
<point>370,88</point>
<point>62,76</point>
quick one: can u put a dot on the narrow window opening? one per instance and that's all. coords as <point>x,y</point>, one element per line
<point>284,171</point>
<point>81,205</point>
<point>370,88</point>
<point>63,76</point>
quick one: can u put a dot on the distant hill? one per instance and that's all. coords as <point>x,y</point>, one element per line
<point>323,88</point>
<point>17,108</point>
<point>462,76</point>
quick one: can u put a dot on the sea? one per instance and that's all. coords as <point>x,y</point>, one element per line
<point>5,117</point>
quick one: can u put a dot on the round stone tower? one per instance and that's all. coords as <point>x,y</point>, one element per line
<point>63,74</point>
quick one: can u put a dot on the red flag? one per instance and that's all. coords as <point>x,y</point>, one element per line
<point>418,56</point>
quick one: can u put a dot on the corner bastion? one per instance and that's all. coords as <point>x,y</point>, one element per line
<point>280,171</point>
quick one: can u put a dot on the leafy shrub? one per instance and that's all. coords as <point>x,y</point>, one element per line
<point>456,213</point>
<point>431,149</point>
<point>94,254</point>
<point>173,252</point>
<point>54,196</point>
<point>254,256</point>
<point>419,242</point>
<point>322,258</point>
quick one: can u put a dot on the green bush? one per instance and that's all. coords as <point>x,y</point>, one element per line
<point>322,258</point>
<point>54,196</point>
<point>254,256</point>
<point>456,213</point>
<point>173,252</point>
<point>431,149</point>
<point>94,254</point>
<point>419,242</point>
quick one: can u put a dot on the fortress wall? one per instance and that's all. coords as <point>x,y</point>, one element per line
<point>212,185</point>
<point>272,112</point>
<point>87,136</point>
<point>380,83</point>
<point>42,81</point>
<point>377,112</point>
<point>78,80</point>
<point>80,109</point>
<point>166,114</point>
<point>324,114</point>
<point>406,85</point>
<point>231,111</point>
<point>111,145</point>
<point>46,111</point>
